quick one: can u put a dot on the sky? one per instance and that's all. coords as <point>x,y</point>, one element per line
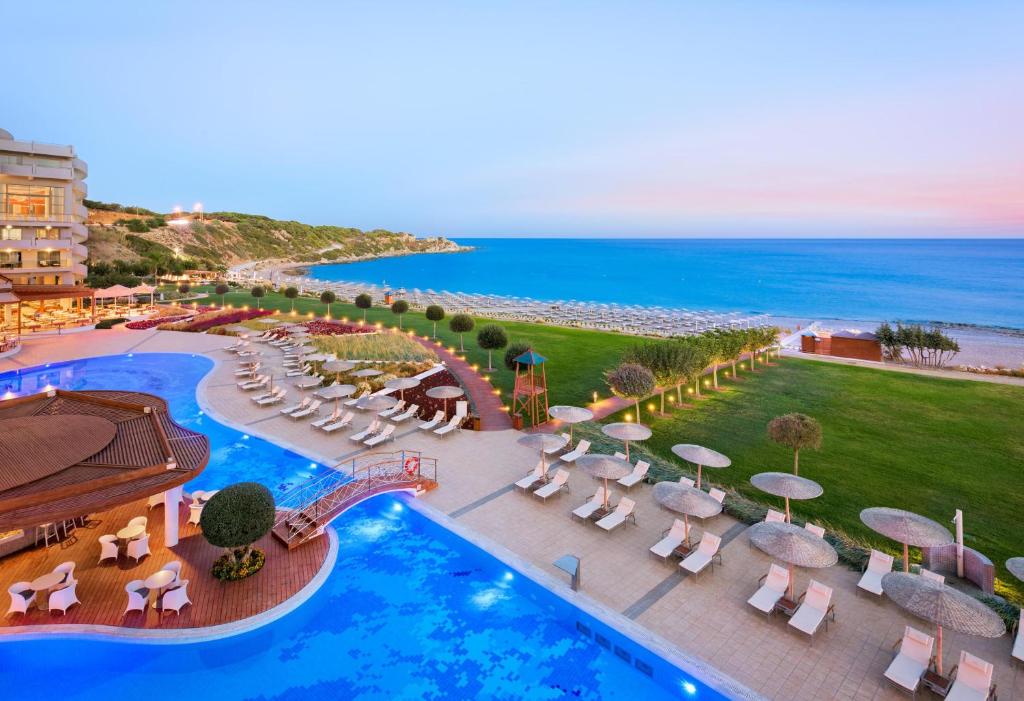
<point>814,118</point>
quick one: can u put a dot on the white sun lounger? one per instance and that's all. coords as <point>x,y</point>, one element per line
<point>397,408</point>
<point>878,566</point>
<point>774,516</point>
<point>913,657</point>
<point>1018,644</point>
<point>275,397</point>
<point>386,435</point>
<point>590,506</point>
<point>305,370</point>
<point>313,408</point>
<point>247,371</point>
<point>370,430</point>
<point>671,539</point>
<point>623,511</point>
<point>254,383</point>
<point>717,494</point>
<point>343,422</point>
<point>456,422</point>
<point>636,476</point>
<point>429,425</point>
<point>407,414</point>
<point>707,550</point>
<point>264,395</point>
<point>331,418</point>
<point>815,608</point>
<point>773,587</point>
<point>355,400</point>
<point>580,450</point>
<point>815,529</point>
<point>531,479</point>
<point>556,485</point>
<point>972,679</point>
<point>296,407</point>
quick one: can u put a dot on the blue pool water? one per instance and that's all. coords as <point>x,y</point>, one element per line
<point>968,281</point>
<point>410,611</point>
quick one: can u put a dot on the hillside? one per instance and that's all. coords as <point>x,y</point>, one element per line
<point>222,239</point>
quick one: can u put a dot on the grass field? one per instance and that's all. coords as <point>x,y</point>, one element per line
<point>577,358</point>
<point>890,439</point>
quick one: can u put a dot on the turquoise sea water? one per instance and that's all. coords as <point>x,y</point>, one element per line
<point>956,281</point>
<point>410,611</point>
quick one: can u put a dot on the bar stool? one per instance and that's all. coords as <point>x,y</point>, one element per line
<point>44,531</point>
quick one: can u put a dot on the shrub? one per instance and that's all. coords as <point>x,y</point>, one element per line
<point>258,293</point>
<point>364,301</point>
<point>491,337</point>
<point>291,293</point>
<point>514,351</point>
<point>795,431</point>
<point>110,323</point>
<point>137,226</point>
<point>184,288</point>
<point>235,518</point>
<point>460,324</point>
<point>399,307</point>
<point>631,381</point>
<point>328,298</point>
<point>221,289</point>
<point>434,313</point>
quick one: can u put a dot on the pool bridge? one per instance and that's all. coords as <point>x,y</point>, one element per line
<point>305,512</point>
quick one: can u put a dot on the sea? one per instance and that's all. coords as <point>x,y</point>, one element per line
<point>974,282</point>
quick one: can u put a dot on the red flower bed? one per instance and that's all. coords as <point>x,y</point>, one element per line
<point>333,328</point>
<point>144,324</point>
<point>429,405</point>
<point>228,317</point>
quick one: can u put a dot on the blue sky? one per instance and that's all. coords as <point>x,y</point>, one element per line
<point>759,118</point>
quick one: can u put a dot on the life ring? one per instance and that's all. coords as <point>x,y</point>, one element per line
<point>412,465</point>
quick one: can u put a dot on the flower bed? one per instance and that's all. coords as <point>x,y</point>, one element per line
<point>144,324</point>
<point>334,328</point>
<point>207,321</point>
<point>429,405</point>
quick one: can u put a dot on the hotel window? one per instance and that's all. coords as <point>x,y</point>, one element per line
<point>10,259</point>
<point>48,234</point>
<point>49,259</point>
<point>9,233</point>
<point>32,201</point>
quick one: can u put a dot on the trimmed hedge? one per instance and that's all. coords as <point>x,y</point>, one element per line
<point>110,323</point>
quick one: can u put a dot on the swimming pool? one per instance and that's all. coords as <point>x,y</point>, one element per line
<point>410,610</point>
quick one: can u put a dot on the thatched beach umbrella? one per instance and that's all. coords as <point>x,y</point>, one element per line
<point>319,357</point>
<point>605,467</point>
<point>627,432</point>
<point>541,442</point>
<point>795,546</point>
<point>376,402</point>
<point>1016,567</point>
<point>338,367</point>
<point>688,501</point>
<point>783,484</point>
<point>941,604</point>
<point>402,384</point>
<point>367,372</point>
<point>570,415</point>
<point>308,382</point>
<point>701,457</point>
<point>445,392</point>
<point>336,392</point>
<point>906,527</point>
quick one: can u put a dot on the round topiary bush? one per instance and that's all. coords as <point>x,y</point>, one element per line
<point>491,337</point>
<point>434,313</point>
<point>364,302</point>
<point>399,307</point>
<point>461,324</point>
<point>258,293</point>
<point>234,519</point>
<point>515,350</point>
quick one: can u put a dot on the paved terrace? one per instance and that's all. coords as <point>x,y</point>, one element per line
<point>706,618</point>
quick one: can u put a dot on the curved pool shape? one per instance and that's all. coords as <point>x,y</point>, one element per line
<point>410,611</point>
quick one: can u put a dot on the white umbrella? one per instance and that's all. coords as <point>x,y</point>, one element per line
<point>338,366</point>
<point>336,392</point>
<point>689,501</point>
<point>367,372</point>
<point>789,486</point>
<point>701,457</point>
<point>604,467</point>
<point>376,402</point>
<point>906,527</point>
<point>627,432</point>
<point>445,392</point>
<point>309,382</point>
<point>793,545</point>
<point>541,442</point>
<point>570,415</point>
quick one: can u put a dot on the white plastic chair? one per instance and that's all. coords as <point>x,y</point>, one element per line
<point>108,547</point>
<point>63,599</point>
<point>878,566</point>
<point>22,597</point>
<point>139,521</point>
<point>136,599</point>
<point>175,599</point>
<point>139,548</point>
<point>175,567</point>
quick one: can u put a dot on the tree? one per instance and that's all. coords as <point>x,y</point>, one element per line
<point>328,298</point>
<point>221,289</point>
<point>237,516</point>
<point>689,362</point>
<point>364,302</point>
<point>435,313</point>
<point>491,337</point>
<point>399,307</point>
<point>631,381</point>
<point>716,350</point>
<point>460,324</point>
<point>291,293</point>
<point>184,288</point>
<point>514,351</point>
<point>661,358</point>
<point>751,344</point>
<point>258,293</point>
<point>795,431</point>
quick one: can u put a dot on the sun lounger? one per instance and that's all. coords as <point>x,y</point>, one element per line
<point>430,425</point>
<point>1018,644</point>
<point>879,565</point>
<point>397,408</point>
<point>305,370</point>
<point>247,371</point>
<point>258,383</point>
<point>816,530</point>
<point>370,430</point>
<point>912,659</point>
<point>687,481</point>
<point>580,450</point>
<point>595,502</point>
<point>772,588</point>
<point>972,679</point>
<point>671,539</point>
<point>815,608</point>
<point>554,449</point>
<point>717,494</point>
<point>310,410</point>
<point>556,485</point>
<point>331,418</point>
<point>385,435</point>
<point>623,511</point>
<point>636,476</point>
<point>531,479</point>
<point>355,400</point>
<point>276,397</point>
<point>407,414</point>
<point>707,550</point>
<point>774,516</point>
<point>343,422</point>
<point>264,395</point>
<point>296,407</point>
<point>456,422</point>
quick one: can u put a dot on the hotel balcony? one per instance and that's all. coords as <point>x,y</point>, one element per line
<point>80,188</point>
<point>34,171</point>
<point>39,149</point>
<point>81,169</point>
<point>29,219</point>
<point>40,244</point>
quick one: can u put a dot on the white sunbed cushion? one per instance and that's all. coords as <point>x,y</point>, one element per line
<point>585,510</point>
<point>695,562</point>
<point>871,581</point>
<point>764,599</point>
<point>1018,645</point>
<point>527,482</point>
<point>665,546</point>
<point>612,520</point>
<point>962,692</point>
<point>548,489</point>
<point>807,619</point>
<point>905,672</point>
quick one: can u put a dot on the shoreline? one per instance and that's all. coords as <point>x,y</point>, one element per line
<point>298,269</point>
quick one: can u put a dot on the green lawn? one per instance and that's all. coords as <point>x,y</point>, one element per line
<point>577,358</point>
<point>890,439</point>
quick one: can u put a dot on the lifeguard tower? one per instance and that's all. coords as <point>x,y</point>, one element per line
<point>530,395</point>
